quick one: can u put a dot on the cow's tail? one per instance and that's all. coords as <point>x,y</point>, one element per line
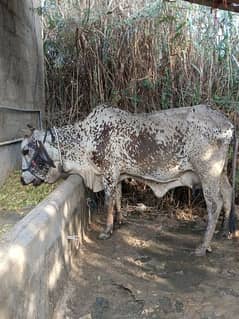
<point>232,217</point>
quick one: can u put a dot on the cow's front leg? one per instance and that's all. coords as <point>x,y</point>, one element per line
<point>214,203</point>
<point>109,208</point>
<point>110,196</point>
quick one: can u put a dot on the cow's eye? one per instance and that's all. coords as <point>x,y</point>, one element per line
<point>25,152</point>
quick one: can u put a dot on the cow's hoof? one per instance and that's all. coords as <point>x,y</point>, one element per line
<point>104,236</point>
<point>209,249</point>
<point>229,235</point>
<point>201,251</point>
<point>224,233</point>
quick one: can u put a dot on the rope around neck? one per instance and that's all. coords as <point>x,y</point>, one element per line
<point>58,144</point>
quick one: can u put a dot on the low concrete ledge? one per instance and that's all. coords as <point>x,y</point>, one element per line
<point>36,256</point>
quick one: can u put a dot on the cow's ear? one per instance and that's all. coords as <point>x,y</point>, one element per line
<point>28,131</point>
<point>31,128</point>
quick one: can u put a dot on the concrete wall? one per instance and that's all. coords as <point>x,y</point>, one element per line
<point>21,73</point>
<point>36,256</point>
<point>10,158</point>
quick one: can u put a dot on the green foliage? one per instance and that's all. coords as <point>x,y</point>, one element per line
<point>147,84</point>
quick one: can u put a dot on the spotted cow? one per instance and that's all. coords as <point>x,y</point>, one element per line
<point>177,147</point>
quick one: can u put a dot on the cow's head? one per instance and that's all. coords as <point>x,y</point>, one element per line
<point>39,158</point>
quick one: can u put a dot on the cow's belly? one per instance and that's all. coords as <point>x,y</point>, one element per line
<point>160,187</point>
<point>158,173</point>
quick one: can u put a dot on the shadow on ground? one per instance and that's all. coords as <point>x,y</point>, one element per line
<point>148,270</point>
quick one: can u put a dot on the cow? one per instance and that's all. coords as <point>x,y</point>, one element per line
<point>185,146</point>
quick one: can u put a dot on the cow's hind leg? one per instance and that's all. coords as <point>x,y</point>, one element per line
<point>226,191</point>
<point>213,198</point>
<point>118,216</point>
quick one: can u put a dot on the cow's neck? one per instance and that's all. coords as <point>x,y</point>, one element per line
<point>61,147</point>
<point>68,138</point>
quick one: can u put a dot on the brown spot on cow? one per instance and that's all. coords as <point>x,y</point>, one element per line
<point>99,155</point>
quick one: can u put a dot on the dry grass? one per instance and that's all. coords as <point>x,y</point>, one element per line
<point>140,56</point>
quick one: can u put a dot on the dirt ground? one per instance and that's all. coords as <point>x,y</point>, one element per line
<point>147,269</point>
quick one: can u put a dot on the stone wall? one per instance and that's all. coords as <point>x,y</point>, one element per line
<point>37,255</point>
<point>21,76</point>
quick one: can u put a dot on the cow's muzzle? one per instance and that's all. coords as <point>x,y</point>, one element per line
<point>23,181</point>
<point>35,182</point>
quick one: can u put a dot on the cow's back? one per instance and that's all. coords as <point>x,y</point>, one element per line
<point>166,137</point>
<point>199,115</point>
